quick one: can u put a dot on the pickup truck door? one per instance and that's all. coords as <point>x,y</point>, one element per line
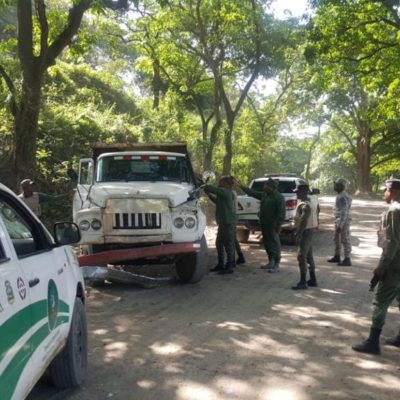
<point>15,321</point>
<point>85,180</point>
<point>43,276</point>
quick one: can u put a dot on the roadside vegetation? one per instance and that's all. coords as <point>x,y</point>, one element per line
<point>250,94</point>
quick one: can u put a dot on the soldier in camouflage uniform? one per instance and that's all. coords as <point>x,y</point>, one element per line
<point>218,244</point>
<point>387,272</point>
<point>225,216</point>
<point>272,215</point>
<point>342,224</point>
<point>306,222</point>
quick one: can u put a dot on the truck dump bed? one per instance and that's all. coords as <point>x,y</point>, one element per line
<point>100,148</point>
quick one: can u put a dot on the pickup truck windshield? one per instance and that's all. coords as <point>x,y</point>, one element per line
<point>283,187</point>
<point>129,168</point>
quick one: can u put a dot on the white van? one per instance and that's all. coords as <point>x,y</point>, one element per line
<point>42,296</point>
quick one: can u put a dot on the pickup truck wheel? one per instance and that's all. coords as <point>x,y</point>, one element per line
<point>68,369</point>
<point>242,234</point>
<point>192,267</point>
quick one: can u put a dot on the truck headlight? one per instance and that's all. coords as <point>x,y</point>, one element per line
<point>190,222</point>
<point>96,224</point>
<point>179,222</point>
<point>84,225</point>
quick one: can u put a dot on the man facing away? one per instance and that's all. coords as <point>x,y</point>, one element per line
<point>387,272</point>
<point>306,222</point>
<point>272,215</point>
<point>342,224</point>
<point>34,199</point>
<point>225,215</point>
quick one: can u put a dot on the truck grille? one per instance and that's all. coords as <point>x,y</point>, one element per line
<point>137,221</point>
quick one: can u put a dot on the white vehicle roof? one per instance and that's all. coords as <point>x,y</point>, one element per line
<point>141,153</point>
<point>281,178</point>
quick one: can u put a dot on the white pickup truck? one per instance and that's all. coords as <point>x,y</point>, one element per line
<point>42,297</point>
<point>140,203</point>
<point>249,207</point>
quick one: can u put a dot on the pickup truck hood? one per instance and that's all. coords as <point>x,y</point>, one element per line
<point>176,193</point>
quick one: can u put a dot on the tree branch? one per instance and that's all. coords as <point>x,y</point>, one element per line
<point>11,88</point>
<point>44,28</point>
<point>346,135</point>
<point>25,40</point>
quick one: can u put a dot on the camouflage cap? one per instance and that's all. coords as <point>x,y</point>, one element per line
<point>393,184</point>
<point>27,182</point>
<point>301,186</point>
<point>340,181</point>
<point>272,183</point>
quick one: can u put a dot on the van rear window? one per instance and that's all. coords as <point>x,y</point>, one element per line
<point>283,187</point>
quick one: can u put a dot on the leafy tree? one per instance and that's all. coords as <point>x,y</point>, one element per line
<point>44,32</point>
<point>355,51</point>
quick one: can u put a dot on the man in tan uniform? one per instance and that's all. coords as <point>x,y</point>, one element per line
<point>34,199</point>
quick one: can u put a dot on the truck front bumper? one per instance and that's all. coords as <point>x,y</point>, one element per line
<point>113,256</point>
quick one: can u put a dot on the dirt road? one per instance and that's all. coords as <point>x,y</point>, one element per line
<point>244,336</point>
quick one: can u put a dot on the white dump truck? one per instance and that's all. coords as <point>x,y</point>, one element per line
<point>140,203</point>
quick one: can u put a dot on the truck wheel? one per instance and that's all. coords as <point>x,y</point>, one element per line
<point>242,234</point>
<point>68,369</point>
<point>192,267</point>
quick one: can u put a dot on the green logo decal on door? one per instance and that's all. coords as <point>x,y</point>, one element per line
<point>52,304</point>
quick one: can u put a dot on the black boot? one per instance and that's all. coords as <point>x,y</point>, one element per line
<point>228,269</point>
<point>313,280</point>
<point>334,259</point>
<point>302,285</point>
<point>345,263</point>
<point>370,345</point>
<point>395,341</point>
<point>217,268</point>
<point>240,259</point>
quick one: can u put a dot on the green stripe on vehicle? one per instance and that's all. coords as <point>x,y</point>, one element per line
<point>17,325</point>
<point>10,377</point>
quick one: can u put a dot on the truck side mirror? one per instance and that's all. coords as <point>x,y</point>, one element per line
<point>208,176</point>
<point>66,233</point>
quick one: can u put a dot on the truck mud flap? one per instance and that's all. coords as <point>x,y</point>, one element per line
<point>100,274</point>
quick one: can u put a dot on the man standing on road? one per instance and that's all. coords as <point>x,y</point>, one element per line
<point>34,199</point>
<point>218,244</point>
<point>387,272</point>
<point>306,222</point>
<point>272,215</point>
<point>225,216</point>
<point>342,224</point>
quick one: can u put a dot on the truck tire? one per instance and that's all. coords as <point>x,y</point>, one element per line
<point>69,368</point>
<point>242,234</point>
<point>192,267</point>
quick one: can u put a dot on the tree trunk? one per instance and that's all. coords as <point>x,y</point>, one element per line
<point>227,166</point>
<point>26,129</point>
<point>364,164</point>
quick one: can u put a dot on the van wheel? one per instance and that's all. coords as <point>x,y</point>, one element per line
<point>192,267</point>
<point>69,368</point>
<point>242,234</point>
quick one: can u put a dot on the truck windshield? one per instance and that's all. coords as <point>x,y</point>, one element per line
<point>128,168</point>
<point>283,187</point>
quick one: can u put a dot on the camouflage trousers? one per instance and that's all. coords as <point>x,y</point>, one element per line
<point>343,238</point>
<point>226,241</point>
<point>304,251</point>
<point>272,243</point>
<point>386,291</point>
